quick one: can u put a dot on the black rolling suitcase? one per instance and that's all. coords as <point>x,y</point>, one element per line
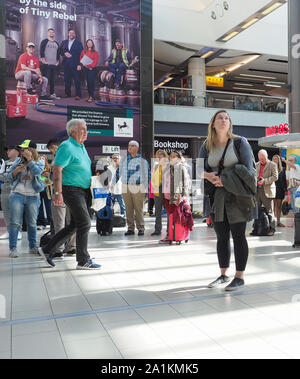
<point>297,230</point>
<point>104,227</point>
<point>263,225</point>
<point>118,221</point>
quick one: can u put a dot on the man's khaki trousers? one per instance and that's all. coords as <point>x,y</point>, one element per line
<point>134,197</point>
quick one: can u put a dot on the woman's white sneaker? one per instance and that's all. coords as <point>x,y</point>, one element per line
<point>13,253</point>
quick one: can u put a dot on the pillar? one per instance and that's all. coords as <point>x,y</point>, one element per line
<point>196,70</point>
<point>2,79</point>
<point>294,65</point>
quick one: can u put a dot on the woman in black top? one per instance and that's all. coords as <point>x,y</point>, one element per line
<point>281,189</point>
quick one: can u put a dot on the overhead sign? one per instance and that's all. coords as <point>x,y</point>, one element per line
<point>214,81</point>
<point>277,130</point>
<point>111,149</point>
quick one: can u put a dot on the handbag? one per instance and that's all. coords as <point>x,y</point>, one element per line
<point>209,188</point>
<point>293,183</point>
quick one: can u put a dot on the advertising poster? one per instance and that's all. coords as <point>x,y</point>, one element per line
<point>73,58</point>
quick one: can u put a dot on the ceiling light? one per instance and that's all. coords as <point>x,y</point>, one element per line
<point>207,54</point>
<point>235,67</point>
<point>220,74</point>
<point>258,76</point>
<point>253,58</point>
<point>244,84</point>
<point>271,8</point>
<point>229,36</point>
<point>251,22</point>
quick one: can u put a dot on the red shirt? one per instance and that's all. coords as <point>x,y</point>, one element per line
<point>262,167</point>
<point>27,60</point>
<point>92,55</point>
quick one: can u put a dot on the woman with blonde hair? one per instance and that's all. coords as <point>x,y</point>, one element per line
<point>231,180</point>
<point>281,188</point>
<point>24,176</point>
<point>161,160</point>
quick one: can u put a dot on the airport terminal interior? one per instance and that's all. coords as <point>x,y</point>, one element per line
<point>151,298</point>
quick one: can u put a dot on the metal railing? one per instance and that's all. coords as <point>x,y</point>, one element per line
<point>219,100</point>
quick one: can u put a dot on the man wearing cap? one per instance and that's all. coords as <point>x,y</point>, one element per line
<point>12,153</point>
<point>24,176</point>
<point>118,62</point>
<point>28,69</point>
<point>72,180</point>
<point>135,175</point>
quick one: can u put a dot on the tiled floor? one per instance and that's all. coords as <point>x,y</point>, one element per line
<point>151,301</point>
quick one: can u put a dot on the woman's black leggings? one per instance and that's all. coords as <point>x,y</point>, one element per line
<point>241,250</point>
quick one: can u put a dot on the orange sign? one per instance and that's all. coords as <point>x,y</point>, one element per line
<point>214,81</point>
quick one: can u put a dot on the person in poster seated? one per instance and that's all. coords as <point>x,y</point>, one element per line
<point>28,70</point>
<point>49,50</point>
<point>71,50</point>
<point>89,59</point>
<point>118,62</point>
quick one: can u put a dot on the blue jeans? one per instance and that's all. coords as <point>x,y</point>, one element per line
<point>293,191</point>
<point>90,76</point>
<point>17,204</point>
<point>119,199</point>
<point>118,69</point>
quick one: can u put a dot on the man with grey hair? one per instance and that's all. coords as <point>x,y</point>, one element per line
<point>267,175</point>
<point>72,180</point>
<point>135,175</point>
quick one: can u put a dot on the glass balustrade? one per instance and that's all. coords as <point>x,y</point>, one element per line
<point>219,100</point>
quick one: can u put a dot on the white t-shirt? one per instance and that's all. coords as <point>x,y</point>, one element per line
<point>293,173</point>
<point>117,188</point>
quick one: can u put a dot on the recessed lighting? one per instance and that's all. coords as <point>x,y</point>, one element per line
<point>244,84</point>
<point>258,76</point>
<point>251,22</point>
<point>229,36</point>
<point>207,54</point>
<point>271,8</point>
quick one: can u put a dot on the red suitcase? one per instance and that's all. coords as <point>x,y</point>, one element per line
<point>177,232</point>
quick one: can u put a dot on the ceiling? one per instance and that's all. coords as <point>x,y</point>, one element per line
<point>194,5</point>
<point>173,58</point>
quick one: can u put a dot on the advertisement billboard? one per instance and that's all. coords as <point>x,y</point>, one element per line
<point>73,57</point>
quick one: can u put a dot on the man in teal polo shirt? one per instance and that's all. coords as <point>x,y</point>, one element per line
<point>72,179</point>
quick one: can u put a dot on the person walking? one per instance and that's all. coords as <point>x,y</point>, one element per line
<point>89,69</point>
<point>230,174</point>
<point>61,215</point>
<point>70,50</point>
<point>72,180</point>
<point>281,188</point>
<point>12,154</point>
<point>24,176</point>
<point>135,175</point>
<point>49,50</point>
<point>161,162</point>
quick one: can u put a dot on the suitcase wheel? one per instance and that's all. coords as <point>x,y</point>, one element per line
<point>186,241</point>
<point>178,242</point>
<point>170,242</point>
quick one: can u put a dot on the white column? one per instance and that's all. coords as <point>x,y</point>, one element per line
<point>196,70</point>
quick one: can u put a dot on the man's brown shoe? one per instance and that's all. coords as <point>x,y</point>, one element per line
<point>77,98</point>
